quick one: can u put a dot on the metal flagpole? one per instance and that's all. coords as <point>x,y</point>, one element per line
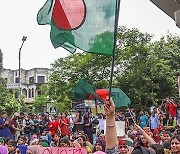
<point>23,40</point>
<point>114,48</point>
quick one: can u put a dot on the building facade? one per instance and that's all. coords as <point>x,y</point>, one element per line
<point>30,82</point>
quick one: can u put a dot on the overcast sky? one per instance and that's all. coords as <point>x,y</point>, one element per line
<point>18,19</point>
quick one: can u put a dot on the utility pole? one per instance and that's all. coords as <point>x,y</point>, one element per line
<point>23,40</point>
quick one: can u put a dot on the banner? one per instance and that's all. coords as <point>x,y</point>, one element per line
<point>120,128</point>
<point>61,150</point>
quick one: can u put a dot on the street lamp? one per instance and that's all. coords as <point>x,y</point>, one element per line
<point>23,40</point>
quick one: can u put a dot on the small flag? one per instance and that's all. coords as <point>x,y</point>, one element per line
<point>119,97</point>
<point>83,89</point>
<point>85,24</point>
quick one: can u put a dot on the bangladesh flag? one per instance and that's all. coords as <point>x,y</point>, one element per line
<point>83,89</point>
<point>120,98</point>
<point>85,24</point>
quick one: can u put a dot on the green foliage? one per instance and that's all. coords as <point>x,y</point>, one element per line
<point>67,72</point>
<point>1,59</point>
<point>7,101</point>
<point>40,101</point>
<point>149,74</point>
<point>145,70</point>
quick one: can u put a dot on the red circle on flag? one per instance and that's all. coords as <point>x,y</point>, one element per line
<point>68,14</point>
<point>103,93</point>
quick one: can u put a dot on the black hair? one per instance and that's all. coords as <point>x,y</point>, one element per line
<point>142,150</point>
<point>3,112</point>
<point>157,148</point>
<point>167,145</point>
<point>23,137</point>
<point>176,137</point>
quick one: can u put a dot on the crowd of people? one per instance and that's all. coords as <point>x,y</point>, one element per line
<point>156,130</point>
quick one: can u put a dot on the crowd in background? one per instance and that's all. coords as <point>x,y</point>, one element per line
<point>21,133</point>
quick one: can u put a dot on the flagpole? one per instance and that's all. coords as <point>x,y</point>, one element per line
<point>114,47</point>
<point>132,116</point>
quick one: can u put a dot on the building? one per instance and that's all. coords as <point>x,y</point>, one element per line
<point>31,80</point>
<point>170,7</point>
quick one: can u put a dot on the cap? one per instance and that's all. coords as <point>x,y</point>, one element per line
<point>45,144</point>
<point>65,140</point>
<point>12,142</point>
<point>125,142</point>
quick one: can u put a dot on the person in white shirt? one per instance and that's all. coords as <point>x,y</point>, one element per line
<point>102,121</point>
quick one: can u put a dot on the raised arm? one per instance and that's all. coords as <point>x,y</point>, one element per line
<point>111,134</point>
<point>146,136</point>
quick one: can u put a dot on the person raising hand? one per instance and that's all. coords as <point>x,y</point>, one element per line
<point>111,134</point>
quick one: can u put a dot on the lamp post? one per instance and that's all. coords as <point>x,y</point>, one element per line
<point>23,40</point>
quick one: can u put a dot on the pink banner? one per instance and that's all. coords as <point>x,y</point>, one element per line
<point>58,150</point>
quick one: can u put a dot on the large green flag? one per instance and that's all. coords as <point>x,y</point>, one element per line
<point>85,24</point>
<point>83,89</point>
<point>120,98</point>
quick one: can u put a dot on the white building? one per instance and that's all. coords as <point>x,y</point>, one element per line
<point>31,80</point>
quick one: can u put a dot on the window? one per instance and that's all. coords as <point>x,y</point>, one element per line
<point>29,93</point>
<point>16,95</point>
<point>39,92</point>
<point>17,80</point>
<point>41,79</point>
<point>32,93</point>
<point>16,73</point>
<point>5,79</point>
<point>24,92</point>
<point>31,80</point>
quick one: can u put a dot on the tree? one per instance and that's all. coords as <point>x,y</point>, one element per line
<point>40,101</point>
<point>168,48</point>
<point>7,101</point>
<point>148,74</point>
<point>144,70</point>
<point>1,58</point>
<point>67,72</point>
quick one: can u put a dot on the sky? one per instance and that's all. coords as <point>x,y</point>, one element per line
<point>18,19</point>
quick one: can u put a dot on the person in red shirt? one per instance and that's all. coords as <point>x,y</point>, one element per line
<point>64,124</point>
<point>54,126</point>
<point>172,107</point>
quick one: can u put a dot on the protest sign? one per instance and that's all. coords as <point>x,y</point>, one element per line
<point>120,128</point>
<point>61,150</point>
